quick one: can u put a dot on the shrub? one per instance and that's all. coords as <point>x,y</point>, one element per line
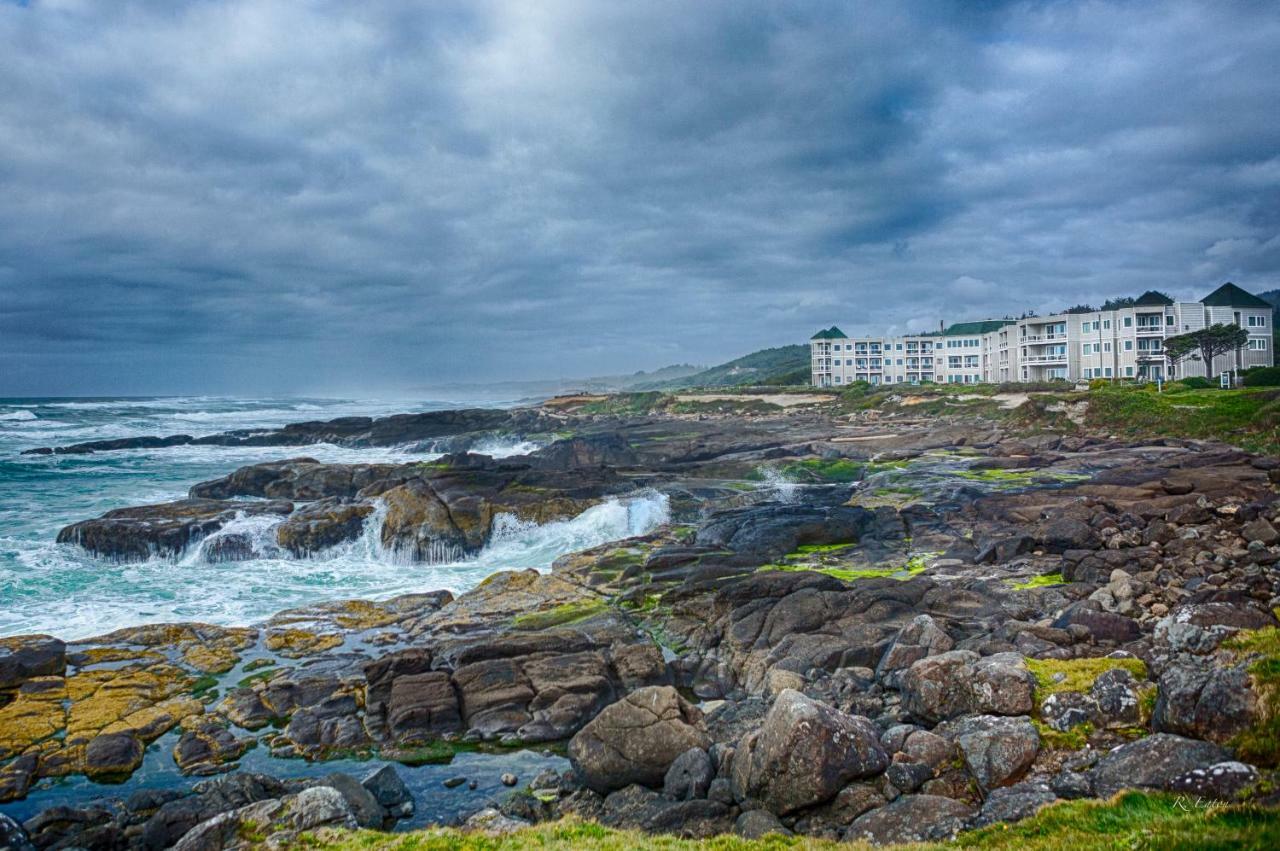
<point>1262,376</point>
<point>1196,382</point>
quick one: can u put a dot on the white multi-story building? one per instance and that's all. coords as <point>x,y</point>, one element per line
<point>1125,343</point>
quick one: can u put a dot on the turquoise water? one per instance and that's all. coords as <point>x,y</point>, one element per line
<point>59,589</point>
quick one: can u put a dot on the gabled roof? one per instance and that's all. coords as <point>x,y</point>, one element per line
<point>832,333</point>
<point>1151,298</point>
<point>1229,295</point>
<point>984,327</point>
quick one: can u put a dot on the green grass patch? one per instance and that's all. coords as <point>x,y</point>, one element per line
<point>1048,580</point>
<point>1059,675</point>
<point>1063,740</point>
<point>1132,820</point>
<point>1260,743</point>
<point>559,615</point>
<point>1248,418</point>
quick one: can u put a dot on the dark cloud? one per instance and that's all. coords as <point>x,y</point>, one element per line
<point>254,196</point>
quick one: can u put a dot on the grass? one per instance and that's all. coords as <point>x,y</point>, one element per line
<point>1260,743</point>
<point>1058,675</point>
<point>1132,820</point>
<point>559,615</point>
<point>1248,418</point>
<point>1054,676</point>
<point>1048,580</point>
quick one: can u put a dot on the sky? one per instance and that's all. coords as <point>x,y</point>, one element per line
<point>254,196</point>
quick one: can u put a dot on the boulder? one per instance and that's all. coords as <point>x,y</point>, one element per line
<point>638,808</point>
<point>25,656</point>
<point>1205,700</point>
<point>112,755</point>
<point>910,818</point>
<point>803,754</point>
<point>960,682</point>
<point>388,789</point>
<point>322,524</point>
<point>1153,762</point>
<point>1014,803</point>
<point>997,749</point>
<point>918,639</point>
<point>757,824</point>
<point>689,776</point>
<point>636,739</point>
<point>1224,781</point>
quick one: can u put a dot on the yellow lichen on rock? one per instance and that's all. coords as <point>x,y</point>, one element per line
<point>102,698</point>
<point>210,659</point>
<point>295,643</point>
<point>34,715</point>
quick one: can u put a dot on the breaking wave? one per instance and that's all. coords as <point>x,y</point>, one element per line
<point>203,585</point>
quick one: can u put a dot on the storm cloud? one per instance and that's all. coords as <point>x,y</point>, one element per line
<point>261,196</point>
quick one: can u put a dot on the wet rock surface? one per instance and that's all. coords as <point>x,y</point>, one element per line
<point>946,640</point>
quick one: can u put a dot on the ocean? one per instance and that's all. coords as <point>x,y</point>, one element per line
<point>61,590</point>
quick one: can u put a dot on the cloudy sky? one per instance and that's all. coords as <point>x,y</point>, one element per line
<point>255,196</point>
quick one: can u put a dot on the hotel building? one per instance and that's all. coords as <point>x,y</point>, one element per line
<point>1126,343</point>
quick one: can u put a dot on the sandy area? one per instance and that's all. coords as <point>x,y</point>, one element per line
<point>782,400</point>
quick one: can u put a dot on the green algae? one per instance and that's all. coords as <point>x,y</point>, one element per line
<point>1047,580</point>
<point>559,615</point>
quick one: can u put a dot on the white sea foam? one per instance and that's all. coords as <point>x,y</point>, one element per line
<point>20,415</point>
<point>59,589</point>
<point>782,488</point>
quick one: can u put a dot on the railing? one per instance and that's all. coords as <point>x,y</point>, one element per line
<point>1150,329</point>
<point>1038,359</point>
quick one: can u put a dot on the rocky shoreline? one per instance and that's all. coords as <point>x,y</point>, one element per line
<point>854,626</point>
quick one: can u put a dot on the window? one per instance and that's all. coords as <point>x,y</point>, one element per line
<point>836,347</point>
<point>1088,373</point>
<point>1128,322</point>
<point>1258,344</point>
<point>1128,345</point>
<point>1107,372</point>
<point>1106,324</point>
<point>1257,322</point>
<point>1106,347</point>
<point>899,347</point>
<point>1084,327</point>
<point>1168,320</point>
<point>1128,372</point>
<point>837,379</point>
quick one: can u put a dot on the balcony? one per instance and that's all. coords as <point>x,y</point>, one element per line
<point>1042,359</point>
<point>1043,338</point>
<point>1149,330</point>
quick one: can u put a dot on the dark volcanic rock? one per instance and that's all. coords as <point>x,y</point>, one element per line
<point>1154,762</point>
<point>322,524</point>
<point>27,656</point>
<point>167,529</point>
<point>769,532</point>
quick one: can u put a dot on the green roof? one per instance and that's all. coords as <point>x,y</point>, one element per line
<point>1151,298</point>
<point>984,327</point>
<point>1229,295</point>
<point>832,333</point>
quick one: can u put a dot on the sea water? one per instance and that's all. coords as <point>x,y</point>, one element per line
<point>62,590</point>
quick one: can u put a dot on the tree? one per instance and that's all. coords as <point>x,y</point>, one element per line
<point>1211,342</point>
<point>1117,303</point>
